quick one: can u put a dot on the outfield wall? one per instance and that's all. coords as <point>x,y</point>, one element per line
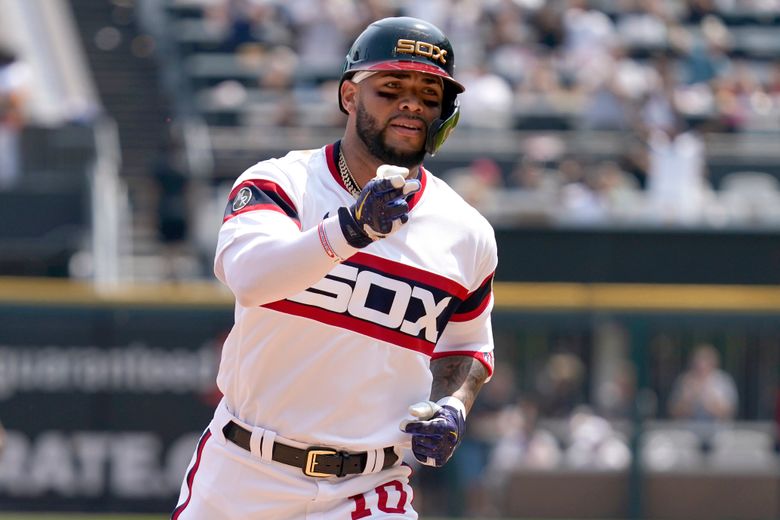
<point>103,393</point>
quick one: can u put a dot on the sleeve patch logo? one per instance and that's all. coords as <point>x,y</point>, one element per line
<point>243,197</point>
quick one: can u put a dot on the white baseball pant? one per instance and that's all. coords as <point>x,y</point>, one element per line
<point>226,482</point>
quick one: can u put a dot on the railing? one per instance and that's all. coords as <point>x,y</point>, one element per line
<point>109,205</point>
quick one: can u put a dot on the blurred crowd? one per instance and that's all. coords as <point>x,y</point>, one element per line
<point>664,73</point>
<point>554,422</point>
<point>623,64</point>
<point>14,77</point>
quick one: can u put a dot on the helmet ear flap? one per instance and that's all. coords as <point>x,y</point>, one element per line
<point>440,130</point>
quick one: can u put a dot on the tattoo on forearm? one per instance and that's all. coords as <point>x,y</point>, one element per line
<point>459,376</point>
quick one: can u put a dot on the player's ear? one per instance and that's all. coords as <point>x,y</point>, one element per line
<point>349,95</point>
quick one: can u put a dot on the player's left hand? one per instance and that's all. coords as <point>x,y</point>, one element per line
<point>436,432</point>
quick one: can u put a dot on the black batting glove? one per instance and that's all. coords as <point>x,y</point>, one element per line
<point>381,207</point>
<point>436,432</point>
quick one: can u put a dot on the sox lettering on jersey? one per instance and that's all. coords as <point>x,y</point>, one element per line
<point>335,294</point>
<point>387,300</point>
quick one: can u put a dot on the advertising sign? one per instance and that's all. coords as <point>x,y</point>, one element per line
<point>102,406</point>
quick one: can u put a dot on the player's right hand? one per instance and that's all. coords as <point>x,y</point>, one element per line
<point>381,207</point>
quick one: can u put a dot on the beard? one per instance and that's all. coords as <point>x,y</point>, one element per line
<point>374,138</point>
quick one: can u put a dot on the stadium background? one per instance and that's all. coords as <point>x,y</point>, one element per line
<point>136,116</point>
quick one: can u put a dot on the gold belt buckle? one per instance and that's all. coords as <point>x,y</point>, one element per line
<point>311,461</point>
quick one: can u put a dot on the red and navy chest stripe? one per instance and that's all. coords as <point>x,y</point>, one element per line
<point>389,301</point>
<point>260,194</point>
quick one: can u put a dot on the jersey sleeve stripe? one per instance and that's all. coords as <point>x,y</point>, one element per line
<point>268,207</point>
<point>476,302</point>
<point>468,316</point>
<point>264,185</point>
<point>412,273</point>
<point>486,358</point>
<point>258,194</point>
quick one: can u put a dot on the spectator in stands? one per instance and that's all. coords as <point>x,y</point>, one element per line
<point>324,29</point>
<point>173,205</point>
<point>704,55</point>
<point>698,9</point>
<point>536,175</point>
<point>488,101</point>
<point>580,203</point>
<point>521,444</point>
<point>560,384</point>
<point>736,92</point>
<point>13,88</point>
<point>247,23</point>
<point>605,192</point>
<point>589,34</point>
<point>613,89</point>
<point>704,392</point>
<point>547,22</point>
<point>644,24</point>
<point>677,184</point>
<point>594,443</point>
<point>616,393</point>
<point>773,81</point>
<point>477,182</point>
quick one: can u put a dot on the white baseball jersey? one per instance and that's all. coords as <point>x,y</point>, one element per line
<point>334,354</point>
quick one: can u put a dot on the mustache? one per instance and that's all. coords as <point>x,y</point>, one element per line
<point>416,118</point>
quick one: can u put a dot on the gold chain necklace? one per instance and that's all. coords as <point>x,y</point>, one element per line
<point>346,176</point>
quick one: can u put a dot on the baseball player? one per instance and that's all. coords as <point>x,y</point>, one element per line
<point>363,289</point>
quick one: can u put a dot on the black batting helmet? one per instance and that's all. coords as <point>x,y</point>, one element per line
<point>405,43</point>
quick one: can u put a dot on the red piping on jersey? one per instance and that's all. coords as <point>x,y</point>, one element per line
<point>410,273</point>
<point>354,324</point>
<point>334,171</point>
<point>191,475</point>
<point>331,160</point>
<point>267,207</point>
<point>480,356</point>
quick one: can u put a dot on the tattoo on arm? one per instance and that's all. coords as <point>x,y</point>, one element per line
<point>459,376</point>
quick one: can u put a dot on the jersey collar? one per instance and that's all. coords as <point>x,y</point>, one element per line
<point>331,155</point>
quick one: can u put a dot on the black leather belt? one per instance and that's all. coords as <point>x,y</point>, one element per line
<point>315,461</point>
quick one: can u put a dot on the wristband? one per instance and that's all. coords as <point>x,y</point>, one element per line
<point>326,244</point>
<point>454,402</point>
